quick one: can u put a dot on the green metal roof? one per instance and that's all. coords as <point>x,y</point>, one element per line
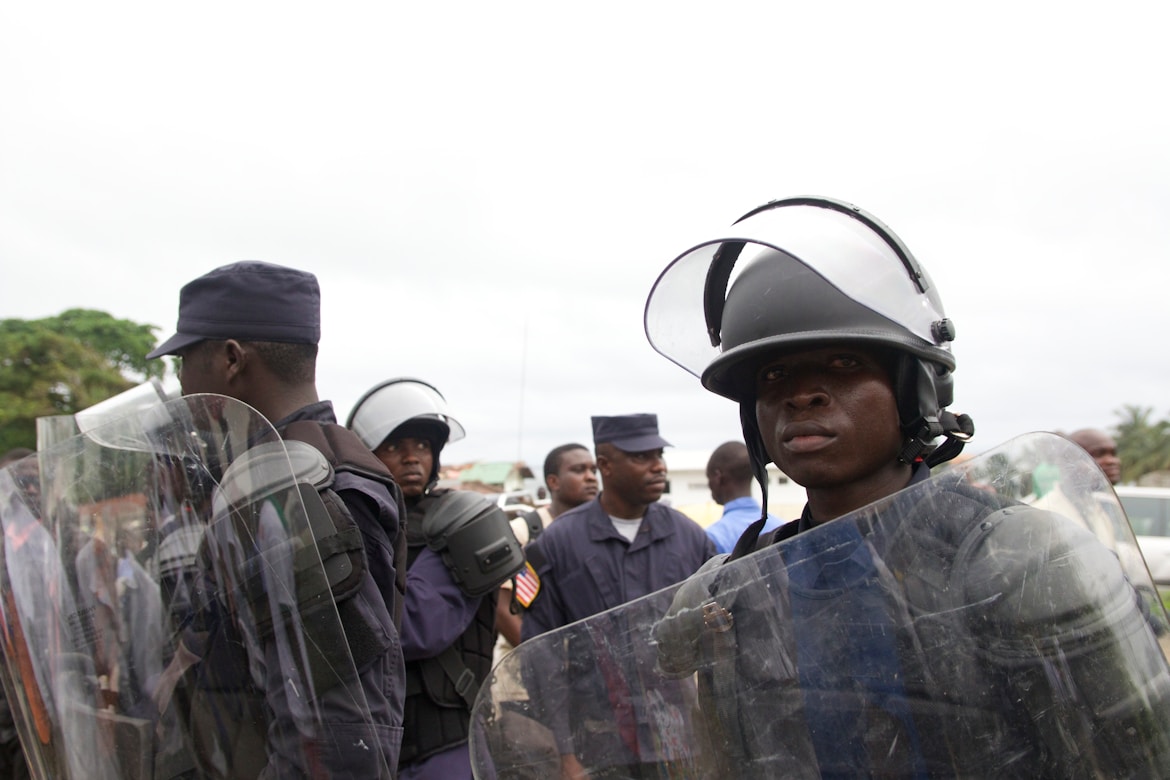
<point>488,473</point>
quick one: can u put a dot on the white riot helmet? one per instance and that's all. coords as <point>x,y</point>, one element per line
<point>407,404</point>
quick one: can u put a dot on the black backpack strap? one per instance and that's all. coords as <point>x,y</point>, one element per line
<point>535,525</point>
<point>751,540</point>
<point>460,676</point>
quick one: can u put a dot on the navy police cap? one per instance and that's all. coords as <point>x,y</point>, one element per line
<point>629,432</point>
<point>248,301</point>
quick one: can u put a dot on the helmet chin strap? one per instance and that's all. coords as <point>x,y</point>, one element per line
<point>758,456</point>
<point>955,428</point>
<point>757,453</point>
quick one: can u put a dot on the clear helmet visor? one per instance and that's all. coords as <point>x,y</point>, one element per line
<point>848,249</point>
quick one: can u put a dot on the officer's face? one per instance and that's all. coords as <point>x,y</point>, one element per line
<point>28,479</point>
<point>410,461</point>
<point>829,418</point>
<point>637,477</point>
<point>576,480</point>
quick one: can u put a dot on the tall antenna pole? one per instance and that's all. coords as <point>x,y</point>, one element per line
<point>523,388</point>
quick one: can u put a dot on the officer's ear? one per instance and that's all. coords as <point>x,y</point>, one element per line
<point>235,358</point>
<point>602,458</point>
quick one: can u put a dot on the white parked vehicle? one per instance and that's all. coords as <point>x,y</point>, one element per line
<point>1148,509</point>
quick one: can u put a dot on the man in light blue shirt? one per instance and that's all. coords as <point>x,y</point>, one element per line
<point>729,476</point>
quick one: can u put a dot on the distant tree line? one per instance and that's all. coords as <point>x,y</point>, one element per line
<point>1142,443</point>
<point>62,364</point>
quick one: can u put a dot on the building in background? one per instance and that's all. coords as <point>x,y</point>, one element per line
<point>688,492</point>
<point>516,487</point>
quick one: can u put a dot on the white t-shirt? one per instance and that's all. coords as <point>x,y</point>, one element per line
<point>627,528</point>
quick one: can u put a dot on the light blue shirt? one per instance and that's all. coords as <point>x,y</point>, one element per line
<point>738,514</point>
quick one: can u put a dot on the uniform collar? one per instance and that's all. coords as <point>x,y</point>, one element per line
<point>743,502</point>
<point>921,473</point>
<point>655,519</point>
<point>321,411</point>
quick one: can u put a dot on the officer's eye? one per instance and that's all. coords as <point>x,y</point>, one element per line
<point>845,360</point>
<point>774,373</point>
<point>404,445</point>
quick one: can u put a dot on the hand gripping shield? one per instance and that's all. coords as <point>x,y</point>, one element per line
<point>164,606</point>
<point>965,626</point>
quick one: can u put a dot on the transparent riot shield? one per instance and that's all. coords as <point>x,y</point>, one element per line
<point>165,611</point>
<point>994,620</point>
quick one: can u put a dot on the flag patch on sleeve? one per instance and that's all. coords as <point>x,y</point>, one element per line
<point>527,585</point>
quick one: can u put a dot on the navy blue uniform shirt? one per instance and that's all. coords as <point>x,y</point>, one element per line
<point>588,567</point>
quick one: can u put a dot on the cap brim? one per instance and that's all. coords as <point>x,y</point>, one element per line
<point>174,344</point>
<point>644,443</point>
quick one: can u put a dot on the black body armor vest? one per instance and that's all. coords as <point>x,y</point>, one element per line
<point>226,709</point>
<point>437,713</point>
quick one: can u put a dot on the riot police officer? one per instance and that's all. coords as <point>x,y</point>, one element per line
<point>448,628</point>
<point>953,632</point>
<point>249,331</point>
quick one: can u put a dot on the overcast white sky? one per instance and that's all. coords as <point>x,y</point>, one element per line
<point>487,191</point>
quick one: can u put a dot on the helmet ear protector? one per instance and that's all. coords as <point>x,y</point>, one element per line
<point>918,385</point>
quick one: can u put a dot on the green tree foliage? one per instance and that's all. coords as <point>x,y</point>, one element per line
<point>1142,444</point>
<point>61,364</point>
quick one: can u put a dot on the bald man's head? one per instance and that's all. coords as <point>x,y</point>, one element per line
<point>729,472</point>
<point>1102,448</point>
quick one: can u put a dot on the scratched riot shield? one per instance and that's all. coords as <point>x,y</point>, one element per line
<point>165,605</point>
<point>993,620</point>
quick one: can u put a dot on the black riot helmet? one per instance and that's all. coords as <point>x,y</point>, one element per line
<point>405,407</point>
<point>800,273</point>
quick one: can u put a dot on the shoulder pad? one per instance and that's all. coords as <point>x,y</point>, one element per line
<point>475,539</point>
<point>272,466</point>
<point>340,446</point>
<point>308,463</point>
<point>450,510</point>
<point>1037,574</point>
